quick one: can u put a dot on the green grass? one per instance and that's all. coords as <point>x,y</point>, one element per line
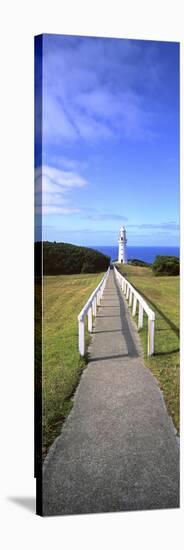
<point>63,297</point>
<point>162,294</point>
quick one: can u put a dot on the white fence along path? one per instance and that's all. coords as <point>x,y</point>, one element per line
<point>90,309</point>
<point>135,298</point>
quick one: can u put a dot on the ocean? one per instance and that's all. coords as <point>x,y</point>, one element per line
<point>145,253</point>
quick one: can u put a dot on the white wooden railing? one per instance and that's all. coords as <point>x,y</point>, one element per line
<point>90,309</point>
<point>135,298</point>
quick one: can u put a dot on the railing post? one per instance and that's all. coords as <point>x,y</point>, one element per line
<point>94,306</point>
<point>140,317</point>
<point>89,309</point>
<point>98,298</point>
<point>81,338</point>
<point>130,299</point>
<point>134,306</point>
<point>151,327</point>
<point>129,295</point>
<point>90,320</point>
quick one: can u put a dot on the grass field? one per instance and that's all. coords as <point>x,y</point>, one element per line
<point>162,293</point>
<point>64,297</point>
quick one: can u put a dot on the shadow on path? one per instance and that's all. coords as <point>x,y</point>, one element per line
<point>105,331</point>
<point>93,359</point>
<point>125,329</point>
<point>132,350</point>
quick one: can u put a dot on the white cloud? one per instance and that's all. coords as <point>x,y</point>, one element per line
<point>166,226</point>
<point>53,192</point>
<point>57,209</point>
<point>65,163</point>
<point>95,88</point>
<point>95,215</point>
<point>49,176</point>
<point>52,189</point>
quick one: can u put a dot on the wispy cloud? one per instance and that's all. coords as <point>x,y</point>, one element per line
<point>94,215</point>
<point>65,163</point>
<point>95,88</point>
<point>167,226</point>
<point>53,190</point>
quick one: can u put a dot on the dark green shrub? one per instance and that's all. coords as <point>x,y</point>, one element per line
<point>166,265</point>
<point>140,263</point>
<point>64,258</point>
<point>86,267</point>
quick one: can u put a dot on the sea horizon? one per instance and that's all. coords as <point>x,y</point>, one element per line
<point>145,253</point>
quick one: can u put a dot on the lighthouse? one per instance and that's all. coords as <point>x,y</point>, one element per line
<point>122,255</point>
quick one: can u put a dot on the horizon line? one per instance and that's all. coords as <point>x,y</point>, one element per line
<point>111,245</point>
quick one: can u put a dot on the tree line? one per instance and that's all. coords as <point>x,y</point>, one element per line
<point>65,259</point>
<point>162,265</point>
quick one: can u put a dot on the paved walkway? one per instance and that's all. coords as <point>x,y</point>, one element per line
<point>117,450</point>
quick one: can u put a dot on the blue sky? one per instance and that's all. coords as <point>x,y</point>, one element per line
<point>110,141</point>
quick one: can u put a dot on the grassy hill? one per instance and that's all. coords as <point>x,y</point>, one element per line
<point>63,297</point>
<point>162,293</point>
<point>140,263</point>
<point>64,258</point>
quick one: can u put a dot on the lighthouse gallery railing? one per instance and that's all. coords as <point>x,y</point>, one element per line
<point>133,296</point>
<point>90,309</point>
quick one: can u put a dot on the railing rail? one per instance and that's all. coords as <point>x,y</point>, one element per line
<point>90,309</point>
<point>133,298</point>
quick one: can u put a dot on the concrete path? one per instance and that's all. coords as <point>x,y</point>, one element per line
<point>117,450</point>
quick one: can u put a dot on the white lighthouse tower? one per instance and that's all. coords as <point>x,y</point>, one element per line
<point>122,255</point>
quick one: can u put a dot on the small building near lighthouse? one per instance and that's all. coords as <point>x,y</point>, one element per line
<point>122,240</point>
